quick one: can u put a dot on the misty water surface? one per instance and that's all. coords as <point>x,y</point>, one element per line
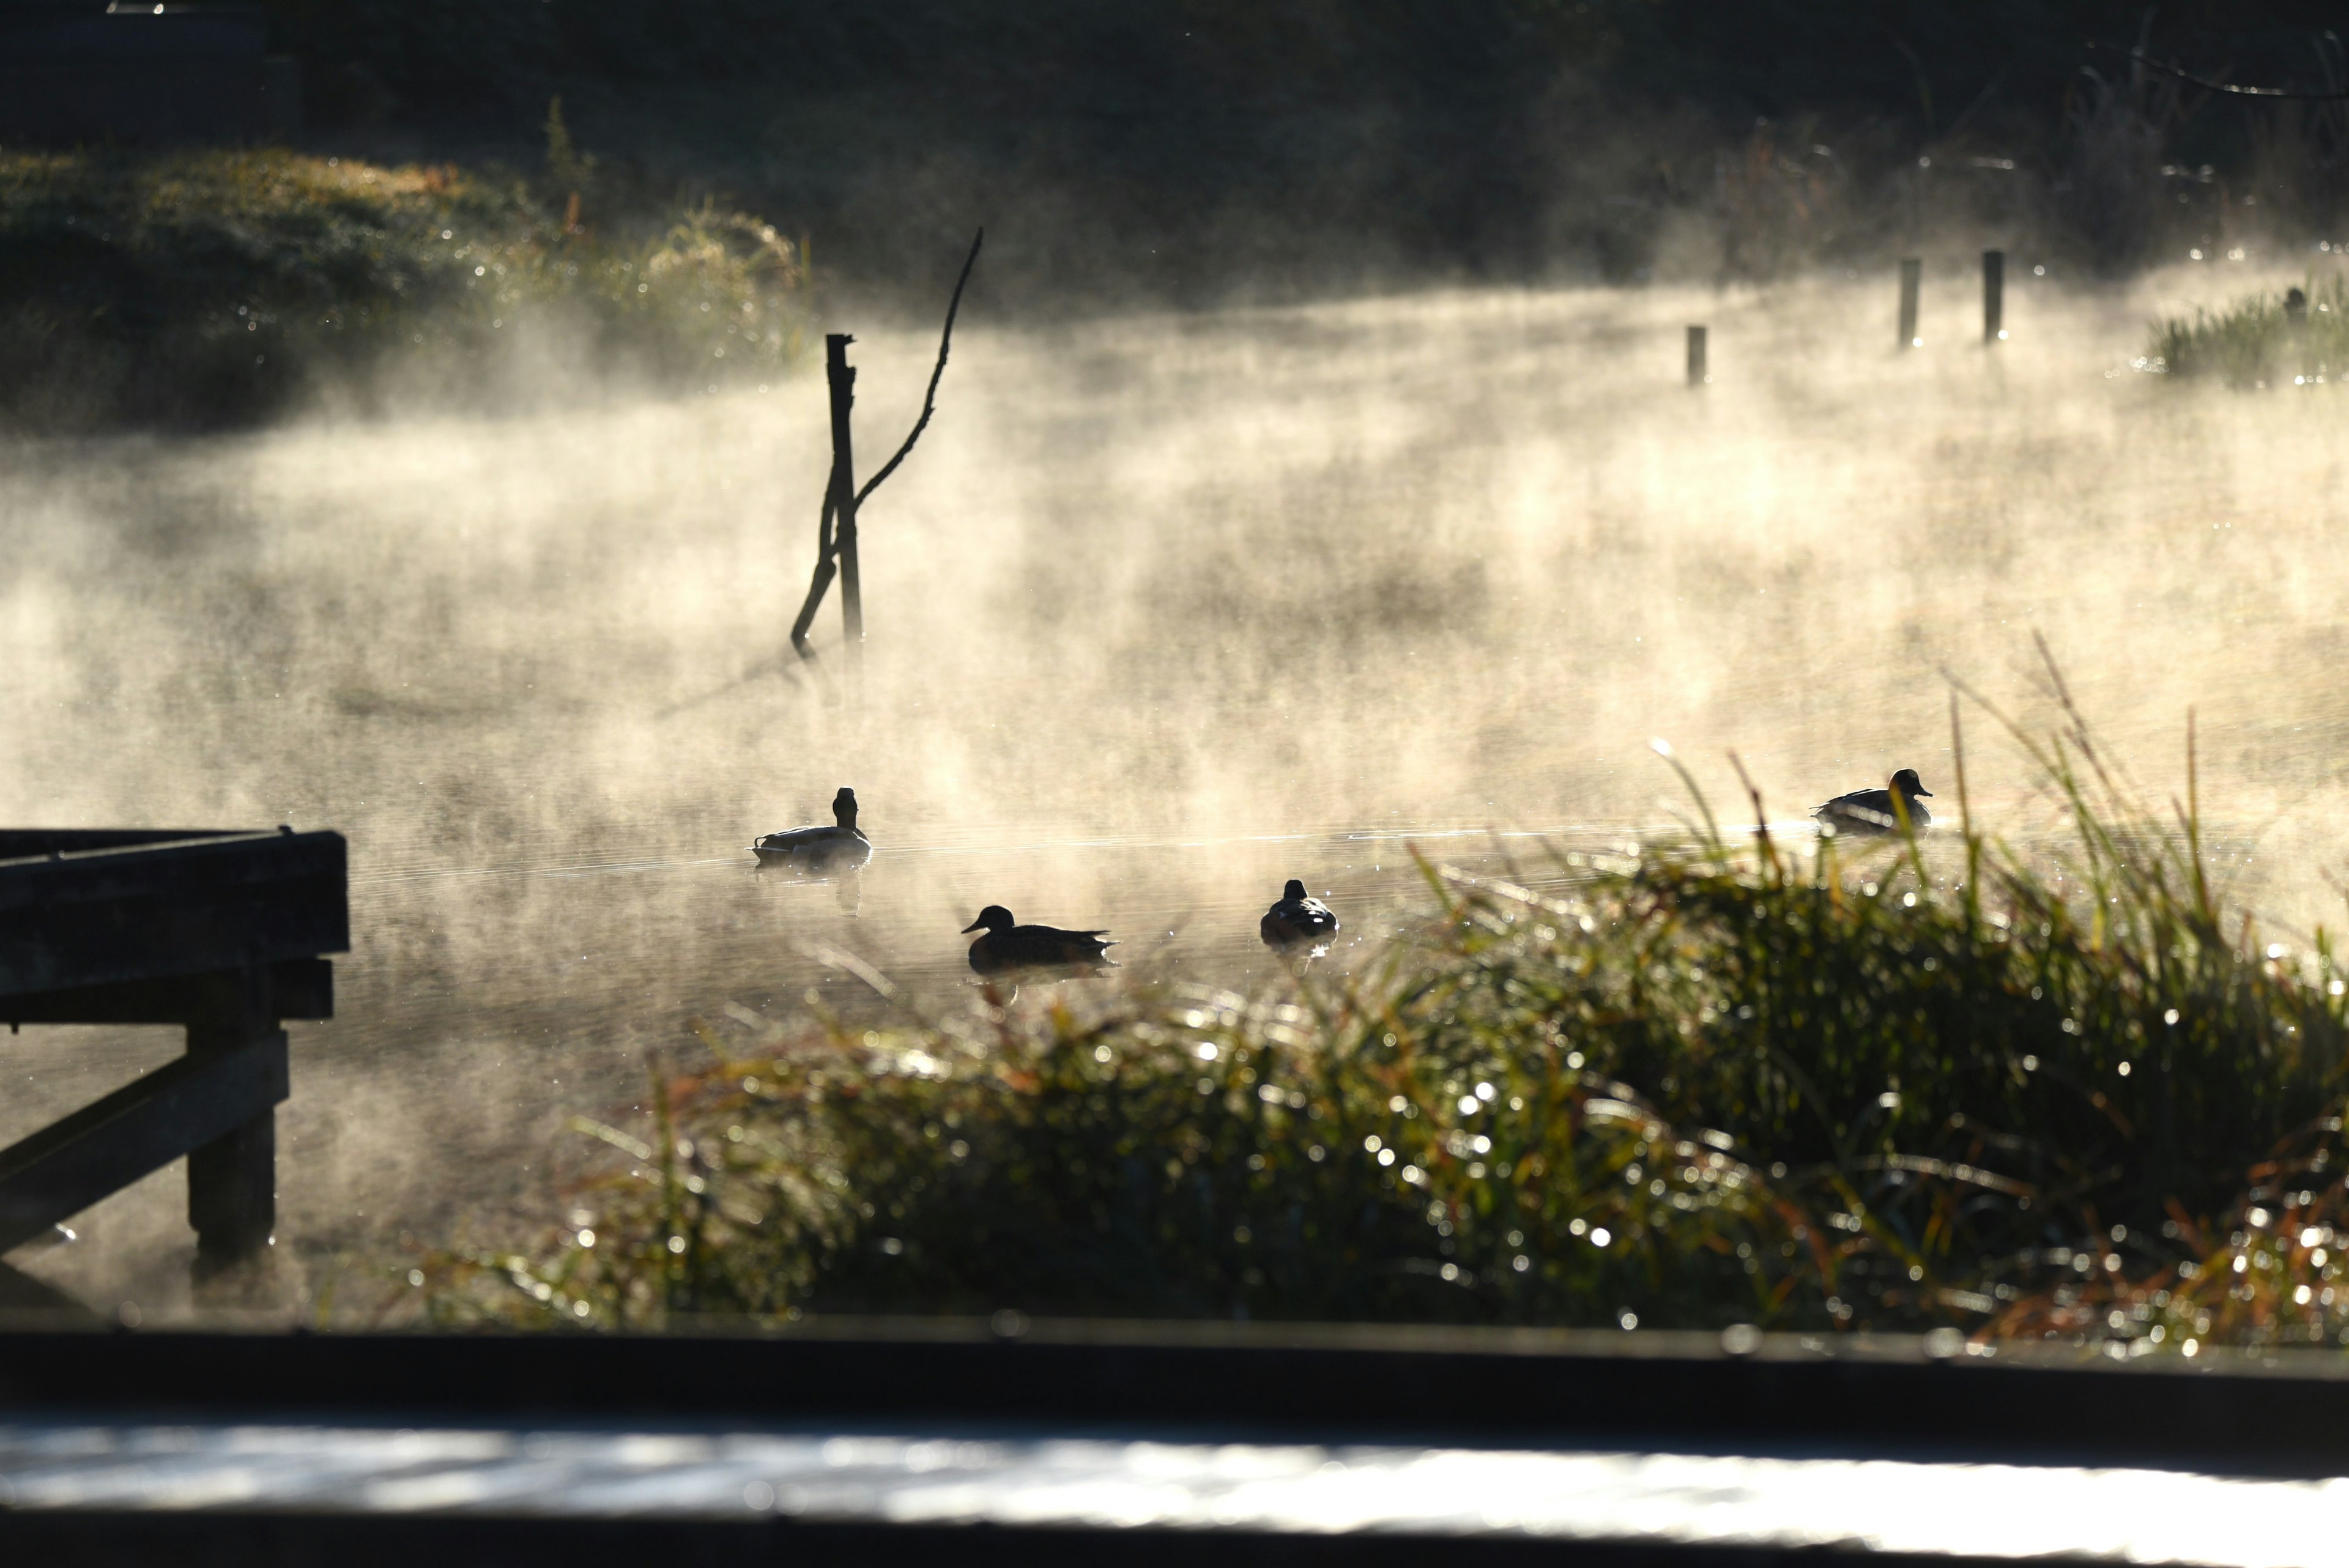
<point>1162,612</point>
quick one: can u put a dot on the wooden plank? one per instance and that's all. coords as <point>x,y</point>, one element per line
<point>185,909</point>
<point>36,1302</point>
<point>22,843</point>
<point>132,872</point>
<point>134,1132</point>
<point>298,988</point>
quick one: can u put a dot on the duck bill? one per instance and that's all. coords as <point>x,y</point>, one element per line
<point>972,927</point>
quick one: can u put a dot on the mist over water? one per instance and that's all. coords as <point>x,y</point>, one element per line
<point>1163,611</point>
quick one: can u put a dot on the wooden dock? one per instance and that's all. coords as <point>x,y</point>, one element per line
<point>218,933</point>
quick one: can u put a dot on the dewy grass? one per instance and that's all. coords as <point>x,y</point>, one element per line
<point>1921,1084</point>
<point>2255,342</point>
<point>207,287</point>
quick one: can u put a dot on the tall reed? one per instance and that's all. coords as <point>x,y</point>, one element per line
<point>2256,342</point>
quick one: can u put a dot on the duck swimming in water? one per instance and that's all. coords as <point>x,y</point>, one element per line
<point>1297,920</point>
<point>1008,947</point>
<point>820,850</point>
<point>1872,811</point>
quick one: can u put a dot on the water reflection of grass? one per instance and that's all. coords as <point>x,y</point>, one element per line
<point>217,287</point>
<point>1721,1083</point>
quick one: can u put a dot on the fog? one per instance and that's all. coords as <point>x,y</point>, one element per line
<point>1163,610</point>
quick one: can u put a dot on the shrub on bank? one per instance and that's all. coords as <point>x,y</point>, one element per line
<point>206,289</point>
<point>1908,1086</point>
<point>2257,342</point>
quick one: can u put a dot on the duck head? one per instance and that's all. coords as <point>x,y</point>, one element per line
<point>994,917</point>
<point>843,808</point>
<point>1292,888</point>
<point>1907,782</point>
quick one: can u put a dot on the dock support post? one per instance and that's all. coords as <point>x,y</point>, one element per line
<point>1993,297</point>
<point>1912,271</point>
<point>233,1179</point>
<point>841,379</point>
<point>1697,373</point>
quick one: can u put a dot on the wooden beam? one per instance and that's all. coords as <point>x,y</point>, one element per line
<point>299,988</point>
<point>136,1131</point>
<point>35,1303</point>
<point>188,908</point>
<point>21,843</point>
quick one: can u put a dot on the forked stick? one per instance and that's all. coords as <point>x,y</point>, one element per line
<point>827,547</point>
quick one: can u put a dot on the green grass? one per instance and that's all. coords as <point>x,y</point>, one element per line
<point>1910,1084</point>
<point>199,288</point>
<point>2254,343</point>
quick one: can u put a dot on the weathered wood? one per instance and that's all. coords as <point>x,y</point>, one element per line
<point>35,1303</point>
<point>233,1179</point>
<point>835,553</point>
<point>133,913</point>
<point>232,1191</point>
<point>825,570</point>
<point>1697,374</point>
<point>1912,274</point>
<point>301,988</point>
<point>215,931</point>
<point>175,1110</point>
<point>19,843</point>
<point>1993,297</point>
<point>840,376</point>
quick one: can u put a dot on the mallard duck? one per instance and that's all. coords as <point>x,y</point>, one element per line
<point>1297,920</point>
<point>1009,946</point>
<point>840,847</point>
<point>1871,811</point>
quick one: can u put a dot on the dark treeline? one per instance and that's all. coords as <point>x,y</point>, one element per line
<point>1184,144</point>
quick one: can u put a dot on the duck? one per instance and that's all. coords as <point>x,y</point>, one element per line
<point>1296,919</point>
<point>840,847</point>
<point>1009,946</point>
<point>1871,811</point>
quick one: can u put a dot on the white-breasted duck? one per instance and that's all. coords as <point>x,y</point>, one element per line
<point>1297,921</point>
<point>1872,811</point>
<point>843,846</point>
<point>1009,946</point>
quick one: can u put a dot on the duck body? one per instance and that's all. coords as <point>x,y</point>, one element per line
<point>1873,811</point>
<point>1297,920</point>
<point>1009,948</point>
<point>821,851</point>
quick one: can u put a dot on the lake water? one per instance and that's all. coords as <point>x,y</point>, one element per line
<point>1163,611</point>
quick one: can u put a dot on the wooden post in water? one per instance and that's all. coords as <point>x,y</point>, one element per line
<point>1993,297</point>
<point>1912,271</point>
<point>841,379</point>
<point>233,1179</point>
<point>1697,374</point>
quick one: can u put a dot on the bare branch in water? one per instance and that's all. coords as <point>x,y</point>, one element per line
<point>930,399</point>
<point>827,566</point>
